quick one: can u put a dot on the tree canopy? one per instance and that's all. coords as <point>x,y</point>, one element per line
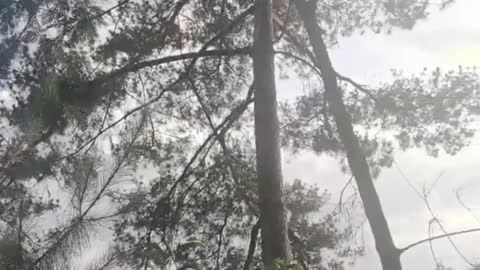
<point>134,119</point>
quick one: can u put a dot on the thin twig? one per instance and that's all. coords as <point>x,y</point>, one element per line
<point>124,117</point>
<point>445,234</point>
<point>466,207</point>
<point>343,191</point>
<point>430,244</point>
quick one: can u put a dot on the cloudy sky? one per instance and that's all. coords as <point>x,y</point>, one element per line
<point>446,39</point>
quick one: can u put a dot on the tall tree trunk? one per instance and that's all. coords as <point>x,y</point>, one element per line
<point>389,254</point>
<point>274,229</point>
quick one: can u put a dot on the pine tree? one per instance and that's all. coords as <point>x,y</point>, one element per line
<point>144,108</point>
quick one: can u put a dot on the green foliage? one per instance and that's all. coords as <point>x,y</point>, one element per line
<point>429,111</point>
<point>175,199</point>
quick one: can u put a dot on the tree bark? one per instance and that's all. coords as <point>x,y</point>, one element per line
<point>274,229</point>
<point>389,254</point>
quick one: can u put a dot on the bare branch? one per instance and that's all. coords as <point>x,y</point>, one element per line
<point>300,59</point>
<point>438,237</point>
<point>252,245</point>
<point>466,207</point>
<point>430,244</point>
<point>340,201</point>
<point>447,235</point>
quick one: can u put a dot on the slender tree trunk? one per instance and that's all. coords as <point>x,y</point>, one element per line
<point>274,229</point>
<point>389,254</point>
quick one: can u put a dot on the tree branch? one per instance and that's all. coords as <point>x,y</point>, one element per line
<point>221,139</point>
<point>300,59</point>
<point>99,15</point>
<point>195,56</point>
<point>125,116</point>
<point>252,245</point>
<point>437,238</point>
<point>424,197</point>
<point>77,222</point>
<point>359,87</point>
<point>169,59</point>
<point>183,76</point>
<point>225,124</point>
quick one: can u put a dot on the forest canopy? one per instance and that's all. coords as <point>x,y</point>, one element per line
<point>155,125</point>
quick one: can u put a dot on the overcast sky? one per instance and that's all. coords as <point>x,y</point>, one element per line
<point>446,39</point>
